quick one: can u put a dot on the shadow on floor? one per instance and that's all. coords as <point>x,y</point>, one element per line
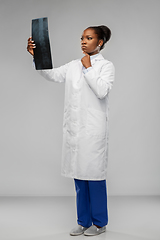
<point>108,235</point>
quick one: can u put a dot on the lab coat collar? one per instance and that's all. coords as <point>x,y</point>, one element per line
<point>97,58</point>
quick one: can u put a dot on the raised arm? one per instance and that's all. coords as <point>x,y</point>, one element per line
<point>55,74</point>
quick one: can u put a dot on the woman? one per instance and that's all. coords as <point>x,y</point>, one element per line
<point>85,129</point>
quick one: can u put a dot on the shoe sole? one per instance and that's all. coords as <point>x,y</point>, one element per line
<point>91,234</point>
<point>76,234</point>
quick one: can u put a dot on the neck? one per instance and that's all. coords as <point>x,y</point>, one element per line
<point>93,53</point>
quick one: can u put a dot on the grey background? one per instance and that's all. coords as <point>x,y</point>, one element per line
<point>31,108</point>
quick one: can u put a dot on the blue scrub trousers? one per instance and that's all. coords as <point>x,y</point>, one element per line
<point>91,203</point>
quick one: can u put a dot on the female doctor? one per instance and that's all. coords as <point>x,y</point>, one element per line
<point>85,127</point>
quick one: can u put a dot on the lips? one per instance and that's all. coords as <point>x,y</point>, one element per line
<point>83,47</point>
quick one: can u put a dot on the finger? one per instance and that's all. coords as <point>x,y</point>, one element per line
<point>30,39</point>
<point>31,45</point>
<point>29,49</point>
<point>31,42</point>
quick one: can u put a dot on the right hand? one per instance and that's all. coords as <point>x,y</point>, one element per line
<point>31,46</point>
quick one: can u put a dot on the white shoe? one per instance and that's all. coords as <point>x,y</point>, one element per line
<point>93,230</point>
<point>78,230</point>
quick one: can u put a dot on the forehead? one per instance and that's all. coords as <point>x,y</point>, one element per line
<point>89,31</point>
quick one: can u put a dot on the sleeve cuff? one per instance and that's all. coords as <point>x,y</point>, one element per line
<point>33,63</point>
<point>87,70</point>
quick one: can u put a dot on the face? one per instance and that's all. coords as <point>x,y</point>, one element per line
<point>90,42</point>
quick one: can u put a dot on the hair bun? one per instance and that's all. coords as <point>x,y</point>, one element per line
<point>106,32</point>
<point>103,33</point>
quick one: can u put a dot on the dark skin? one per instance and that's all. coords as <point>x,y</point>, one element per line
<point>90,45</point>
<point>31,46</point>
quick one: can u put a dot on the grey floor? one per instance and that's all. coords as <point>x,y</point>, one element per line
<point>48,218</point>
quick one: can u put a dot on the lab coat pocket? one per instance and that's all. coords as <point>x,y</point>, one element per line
<point>96,123</point>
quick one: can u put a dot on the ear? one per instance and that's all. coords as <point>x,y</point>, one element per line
<point>100,42</point>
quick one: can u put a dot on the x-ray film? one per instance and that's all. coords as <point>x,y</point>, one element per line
<point>42,52</point>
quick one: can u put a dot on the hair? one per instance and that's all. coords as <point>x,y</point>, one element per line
<point>103,33</point>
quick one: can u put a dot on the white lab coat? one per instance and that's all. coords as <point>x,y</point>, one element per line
<point>85,124</point>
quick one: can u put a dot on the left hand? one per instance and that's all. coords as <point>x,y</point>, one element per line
<point>86,60</point>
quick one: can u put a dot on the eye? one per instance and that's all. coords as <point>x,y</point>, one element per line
<point>89,38</point>
<point>81,38</point>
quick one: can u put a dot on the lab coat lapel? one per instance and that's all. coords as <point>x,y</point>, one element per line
<point>98,58</point>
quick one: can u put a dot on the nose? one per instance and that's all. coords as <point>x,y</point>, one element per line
<point>83,41</point>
